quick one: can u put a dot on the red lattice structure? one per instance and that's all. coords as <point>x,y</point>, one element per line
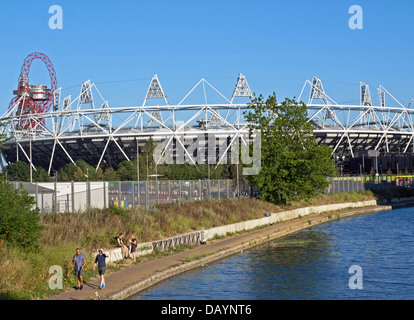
<point>33,99</point>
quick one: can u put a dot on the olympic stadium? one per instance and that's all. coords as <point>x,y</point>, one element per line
<point>48,130</point>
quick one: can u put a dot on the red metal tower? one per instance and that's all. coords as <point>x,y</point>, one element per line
<point>33,99</point>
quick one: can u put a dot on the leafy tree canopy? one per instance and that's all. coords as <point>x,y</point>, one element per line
<point>293,166</point>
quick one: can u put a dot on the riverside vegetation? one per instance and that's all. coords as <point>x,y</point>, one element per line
<point>24,267</point>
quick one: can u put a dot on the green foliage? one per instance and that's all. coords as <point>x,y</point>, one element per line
<point>293,166</point>
<point>3,137</point>
<point>118,211</point>
<point>67,172</point>
<point>110,175</point>
<point>18,219</point>
<point>393,192</point>
<point>18,171</point>
<point>127,171</point>
<point>41,175</point>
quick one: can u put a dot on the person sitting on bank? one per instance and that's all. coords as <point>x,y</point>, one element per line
<point>124,248</point>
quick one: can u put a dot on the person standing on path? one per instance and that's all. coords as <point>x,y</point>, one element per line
<point>79,260</point>
<point>133,242</point>
<point>100,260</point>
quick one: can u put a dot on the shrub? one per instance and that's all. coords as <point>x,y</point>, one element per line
<point>118,211</point>
<point>18,217</point>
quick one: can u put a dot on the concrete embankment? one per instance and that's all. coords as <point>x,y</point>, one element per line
<point>137,277</point>
<point>203,236</point>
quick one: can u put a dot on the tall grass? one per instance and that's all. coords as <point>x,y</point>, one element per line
<point>96,228</point>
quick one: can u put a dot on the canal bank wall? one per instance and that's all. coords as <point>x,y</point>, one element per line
<point>282,216</point>
<point>202,236</point>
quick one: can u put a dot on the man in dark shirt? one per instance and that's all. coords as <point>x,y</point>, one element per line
<point>100,260</point>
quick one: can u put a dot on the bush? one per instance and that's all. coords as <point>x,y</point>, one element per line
<point>18,217</point>
<point>118,211</point>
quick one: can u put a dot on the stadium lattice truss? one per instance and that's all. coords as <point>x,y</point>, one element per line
<point>88,128</point>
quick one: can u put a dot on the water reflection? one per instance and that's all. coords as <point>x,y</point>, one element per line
<point>281,269</point>
<point>312,264</point>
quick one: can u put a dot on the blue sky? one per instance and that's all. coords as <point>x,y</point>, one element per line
<point>277,45</point>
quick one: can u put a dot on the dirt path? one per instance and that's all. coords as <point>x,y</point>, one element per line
<point>136,277</point>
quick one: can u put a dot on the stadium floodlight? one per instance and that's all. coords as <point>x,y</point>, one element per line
<point>104,115</point>
<point>67,103</point>
<point>365,95</point>
<point>317,91</point>
<point>56,99</point>
<point>86,94</point>
<point>381,96</point>
<point>155,92</point>
<point>242,88</point>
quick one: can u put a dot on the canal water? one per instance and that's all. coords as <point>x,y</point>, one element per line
<point>312,264</point>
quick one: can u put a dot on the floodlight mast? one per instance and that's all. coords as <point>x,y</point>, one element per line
<point>155,92</point>
<point>365,95</point>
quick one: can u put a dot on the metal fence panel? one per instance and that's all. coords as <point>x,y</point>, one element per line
<point>79,196</point>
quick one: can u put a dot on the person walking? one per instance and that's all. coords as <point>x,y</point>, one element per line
<point>79,260</point>
<point>100,260</point>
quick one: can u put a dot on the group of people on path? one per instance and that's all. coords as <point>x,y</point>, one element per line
<point>79,260</point>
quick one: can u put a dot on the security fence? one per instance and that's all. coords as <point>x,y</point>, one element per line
<point>79,196</point>
<point>357,184</point>
<point>127,194</point>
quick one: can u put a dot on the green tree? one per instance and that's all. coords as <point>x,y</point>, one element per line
<point>3,137</point>
<point>41,175</point>
<point>127,171</point>
<point>79,175</point>
<point>19,221</point>
<point>67,172</point>
<point>293,166</point>
<point>110,175</point>
<point>18,171</point>
<point>146,159</point>
<point>89,171</point>
<point>99,174</point>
